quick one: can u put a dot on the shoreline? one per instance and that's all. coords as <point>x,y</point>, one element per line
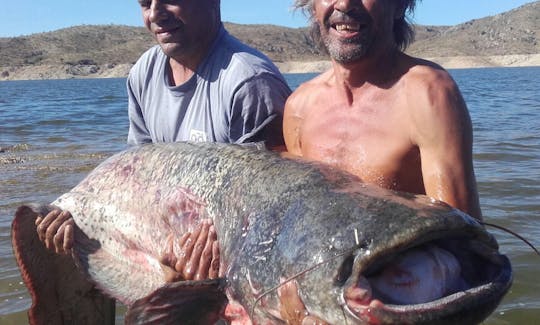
<point>452,62</point>
<point>46,72</point>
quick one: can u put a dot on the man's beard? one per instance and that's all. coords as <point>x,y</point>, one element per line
<point>341,51</point>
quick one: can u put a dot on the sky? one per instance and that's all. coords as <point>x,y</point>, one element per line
<point>28,17</point>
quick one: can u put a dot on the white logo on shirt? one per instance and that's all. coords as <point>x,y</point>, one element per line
<point>197,136</point>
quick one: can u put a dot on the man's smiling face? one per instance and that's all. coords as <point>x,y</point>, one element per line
<point>182,28</point>
<point>351,29</point>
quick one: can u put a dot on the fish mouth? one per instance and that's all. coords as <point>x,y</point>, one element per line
<point>441,280</point>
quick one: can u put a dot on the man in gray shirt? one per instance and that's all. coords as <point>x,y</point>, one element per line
<point>199,84</point>
<point>235,95</point>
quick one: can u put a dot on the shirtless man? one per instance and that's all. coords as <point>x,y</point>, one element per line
<point>393,120</point>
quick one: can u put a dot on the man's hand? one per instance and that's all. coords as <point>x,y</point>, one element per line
<point>199,255</point>
<point>56,230</point>
<point>292,309</point>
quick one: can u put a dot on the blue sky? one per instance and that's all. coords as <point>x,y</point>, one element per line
<point>27,17</point>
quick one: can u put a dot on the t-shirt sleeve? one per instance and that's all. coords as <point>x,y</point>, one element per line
<point>257,110</point>
<point>137,133</point>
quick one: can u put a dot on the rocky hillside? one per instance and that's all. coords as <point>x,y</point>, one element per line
<point>105,51</point>
<point>513,32</point>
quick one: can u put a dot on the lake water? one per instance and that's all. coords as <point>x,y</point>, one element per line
<point>52,133</point>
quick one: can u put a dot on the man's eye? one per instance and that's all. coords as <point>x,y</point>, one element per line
<point>144,3</point>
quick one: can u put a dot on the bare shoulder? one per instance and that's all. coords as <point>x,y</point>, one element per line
<point>434,100</point>
<point>434,89</point>
<point>429,76</point>
<point>305,98</point>
<point>307,93</point>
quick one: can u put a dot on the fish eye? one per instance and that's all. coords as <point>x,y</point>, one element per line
<point>344,271</point>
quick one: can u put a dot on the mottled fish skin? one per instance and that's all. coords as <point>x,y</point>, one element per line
<point>274,217</point>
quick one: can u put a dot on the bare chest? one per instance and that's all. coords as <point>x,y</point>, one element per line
<point>372,144</point>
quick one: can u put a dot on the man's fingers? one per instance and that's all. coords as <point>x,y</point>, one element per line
<point>198,258</point>
<point>313,320</point>
<point>69,237</point>
<point>213,273</point>
<point>63,239</point>
<point>182,255</point>
<point>45,222</point>
<point>184,238</point>
<point>205,260</point>
<point>191,241</point>
<point>193,264</point>
<point>54,226</point>
<point>168,258</point>
<point>170,274</point>
<point>58,240</point>
<point>292,308</point>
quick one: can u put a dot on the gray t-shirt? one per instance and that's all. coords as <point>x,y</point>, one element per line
<point>236,95</point>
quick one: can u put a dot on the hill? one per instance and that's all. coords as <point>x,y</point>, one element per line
<point>510,38</point>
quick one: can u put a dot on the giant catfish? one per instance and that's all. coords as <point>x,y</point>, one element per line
<point>359,253</point>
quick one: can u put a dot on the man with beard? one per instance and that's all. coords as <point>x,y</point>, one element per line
<point>391,119</point>
<point>197,84</point>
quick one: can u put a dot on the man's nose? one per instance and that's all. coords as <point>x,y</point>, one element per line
<point>347,5</point>
<point>157,11</point>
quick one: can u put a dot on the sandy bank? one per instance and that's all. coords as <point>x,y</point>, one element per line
<point>455,62</point>
<point>43,72</point>
<point>516,60</point>
<point>121,70</point>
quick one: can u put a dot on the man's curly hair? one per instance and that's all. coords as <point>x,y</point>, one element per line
<point>403,31</point>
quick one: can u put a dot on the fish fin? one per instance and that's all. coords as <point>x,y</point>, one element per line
<point>183,302</point>
<point>60,292</point>
<point>118,268</point>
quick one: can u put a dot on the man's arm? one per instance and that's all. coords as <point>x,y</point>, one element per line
<point>292,121</point>
<point>443,133</point>
<point>137,132</point>
<point>256,113</point>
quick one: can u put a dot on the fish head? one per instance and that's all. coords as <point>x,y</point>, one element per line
<point>422,262</point>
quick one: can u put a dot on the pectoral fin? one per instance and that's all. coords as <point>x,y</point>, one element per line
<point>60,293</point>
<point>183,302</point>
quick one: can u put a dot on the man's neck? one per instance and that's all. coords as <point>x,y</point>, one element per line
<point>366,74</point>
<point>179,72</point>
<point>374,69</point>
<point>183,68</point>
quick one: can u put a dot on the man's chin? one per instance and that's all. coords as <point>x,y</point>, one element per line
<point>346,57</point>
<point>172,49</point>
<point>345,52</point>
